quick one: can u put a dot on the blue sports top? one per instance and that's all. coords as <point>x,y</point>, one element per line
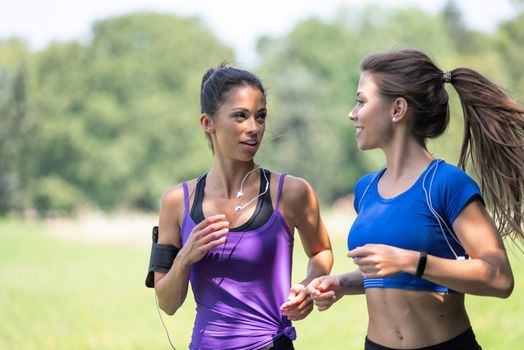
<point>406,220</point>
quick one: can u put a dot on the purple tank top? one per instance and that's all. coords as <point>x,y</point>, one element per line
<point>239,286</point>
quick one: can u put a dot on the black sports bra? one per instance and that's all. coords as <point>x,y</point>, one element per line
<point>262,213</point>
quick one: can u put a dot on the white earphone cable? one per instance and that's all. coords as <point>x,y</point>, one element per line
<point>240,207</point>
<point>439,219</point>
<point>441,222</point>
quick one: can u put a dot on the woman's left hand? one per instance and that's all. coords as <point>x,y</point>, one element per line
<point>299,304</point>
<point>379,260</point>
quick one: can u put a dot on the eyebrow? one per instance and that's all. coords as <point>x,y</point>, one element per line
<point>247,110</point>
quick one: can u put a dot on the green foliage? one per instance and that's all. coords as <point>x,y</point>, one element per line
<point>464,40</point>
<point>511,33</point>
<point>109,119</point>
<point>113,121</point>
<point>54,194</point>
<point>312,75</point>
<point>13,110</point>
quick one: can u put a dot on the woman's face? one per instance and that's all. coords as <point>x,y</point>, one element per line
<point>240,122</point>
<point>372,115</point>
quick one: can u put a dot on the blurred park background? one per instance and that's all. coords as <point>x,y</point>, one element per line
<point>94,129</point>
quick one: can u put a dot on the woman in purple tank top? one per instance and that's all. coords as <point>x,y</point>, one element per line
<point>234,227</point>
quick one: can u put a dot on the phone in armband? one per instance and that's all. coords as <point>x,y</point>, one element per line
<point>161,258</point>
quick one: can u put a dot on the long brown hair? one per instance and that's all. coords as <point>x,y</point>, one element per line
<point>493,125</point>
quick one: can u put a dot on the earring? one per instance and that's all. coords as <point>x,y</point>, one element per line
<point>394,120</point>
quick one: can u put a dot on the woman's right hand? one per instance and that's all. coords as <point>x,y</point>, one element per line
<point>325,291</point>
<point>205,236</point>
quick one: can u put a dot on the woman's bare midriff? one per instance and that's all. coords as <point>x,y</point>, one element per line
<point>407,319</point>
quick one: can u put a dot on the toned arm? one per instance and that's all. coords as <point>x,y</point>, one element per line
<point>171,287</point>
<point>488,271</point>
<point>300,207</point>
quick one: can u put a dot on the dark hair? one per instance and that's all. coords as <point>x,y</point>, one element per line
<point>217,82</point>
<point>493,124</point>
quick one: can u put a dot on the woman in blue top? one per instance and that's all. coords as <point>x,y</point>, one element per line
<point>423,237</point>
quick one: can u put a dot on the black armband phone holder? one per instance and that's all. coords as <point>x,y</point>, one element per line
<point>161,259</point>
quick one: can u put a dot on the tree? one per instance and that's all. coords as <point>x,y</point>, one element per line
<point>114,121</point>
<point>13,110</point>
<point>312,75</point>
<point>464,40</point>
<point>510,36</point>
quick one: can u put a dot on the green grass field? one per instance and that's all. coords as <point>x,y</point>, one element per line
<point>72,294</point>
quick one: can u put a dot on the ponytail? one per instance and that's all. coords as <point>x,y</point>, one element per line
<point>494,142</point>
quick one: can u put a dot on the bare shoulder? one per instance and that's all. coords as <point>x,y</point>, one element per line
<point>298,199</point>
<point>296,189</point>
<point>173,197</point>
<point>300,208</point>
<point>171,213</point>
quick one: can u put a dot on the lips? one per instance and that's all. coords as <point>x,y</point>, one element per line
<point>250,143</point>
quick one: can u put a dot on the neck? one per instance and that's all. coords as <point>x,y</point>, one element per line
<point>226,176</point>
<point>405,156</point>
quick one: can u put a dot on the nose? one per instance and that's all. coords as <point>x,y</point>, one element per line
<point>252,126</point>
<point>352,115</point>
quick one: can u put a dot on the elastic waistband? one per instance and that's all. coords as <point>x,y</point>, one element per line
<point>463,341</point>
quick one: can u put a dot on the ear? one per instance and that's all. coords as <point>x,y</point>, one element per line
<point>399,109</point>
<point>207,123</point>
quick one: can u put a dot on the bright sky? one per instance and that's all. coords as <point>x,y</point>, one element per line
<point>237,23</point>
